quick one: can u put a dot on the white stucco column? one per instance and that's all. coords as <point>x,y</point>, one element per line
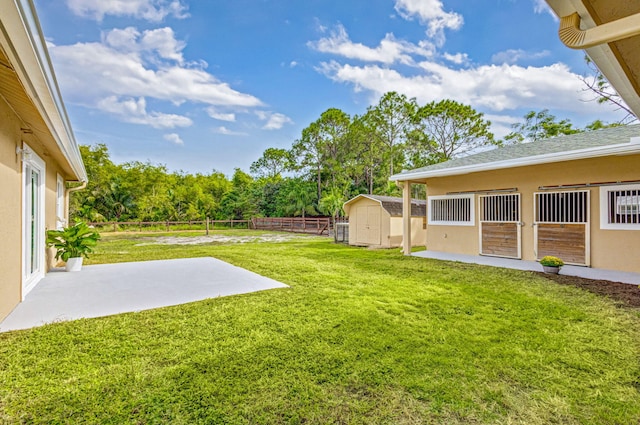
<point>406,218</point>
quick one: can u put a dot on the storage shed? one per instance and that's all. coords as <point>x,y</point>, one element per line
<point>376,221</point>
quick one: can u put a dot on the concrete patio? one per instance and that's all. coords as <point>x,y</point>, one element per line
<point>585,272</point>
<point>107,289</point>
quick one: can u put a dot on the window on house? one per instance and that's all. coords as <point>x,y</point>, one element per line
<point>60,216</point>
<point>562,207</point>
<point>451,210</point>
<point>620,207</point>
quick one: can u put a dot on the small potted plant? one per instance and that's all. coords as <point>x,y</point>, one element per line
<point>551,264</point>
<point>72,244</point>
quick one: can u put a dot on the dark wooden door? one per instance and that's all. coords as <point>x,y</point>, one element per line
<point>562,226</point>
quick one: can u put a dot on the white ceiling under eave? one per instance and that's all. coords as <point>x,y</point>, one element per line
<point>29,85</point>
<point>619,60</point>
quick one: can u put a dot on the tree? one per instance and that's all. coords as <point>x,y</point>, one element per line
<point>331,203</point>
<point>448,129</point>
<point>367,150</point>
<point>392,120</point>
<point>322,147</point>
<point>604,93</point>
<point>599,125</point>
<point>539,125</point>
<point>272,163</point>
<point>300,198</point>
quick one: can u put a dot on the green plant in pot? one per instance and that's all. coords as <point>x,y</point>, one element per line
<point>551,264</point>
<point>73,243</point>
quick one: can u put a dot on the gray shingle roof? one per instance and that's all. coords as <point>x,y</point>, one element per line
<point>558,145</point>
<point>393,205</point>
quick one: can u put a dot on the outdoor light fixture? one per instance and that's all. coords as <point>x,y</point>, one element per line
<point>25,153</point>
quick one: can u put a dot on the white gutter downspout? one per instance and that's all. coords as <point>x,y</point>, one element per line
<point>574,37</point>
<point>68,196</point>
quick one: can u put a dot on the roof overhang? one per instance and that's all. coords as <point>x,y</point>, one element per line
<point>629,148</point>
<point>29,73</point>
<point>347,205</point>
<point>609,31</point>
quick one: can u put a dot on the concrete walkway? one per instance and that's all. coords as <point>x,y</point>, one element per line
<point>586,272</point>
<point>107,289</point>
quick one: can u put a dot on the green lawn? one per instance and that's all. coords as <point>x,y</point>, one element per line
<point>361,337</point>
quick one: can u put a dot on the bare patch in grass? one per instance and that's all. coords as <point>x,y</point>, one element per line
<point>222,239</point>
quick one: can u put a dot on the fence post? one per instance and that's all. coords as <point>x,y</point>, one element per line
<point>167,225</point>
<point>207,226</point>
<point>114,226</point>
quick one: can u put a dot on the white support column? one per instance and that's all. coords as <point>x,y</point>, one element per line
<point>406,218</point>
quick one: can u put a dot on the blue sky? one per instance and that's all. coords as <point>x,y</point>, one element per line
<point>209,85</point>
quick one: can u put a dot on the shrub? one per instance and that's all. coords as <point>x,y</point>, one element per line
<point>73,241</point>
<point>551,261</point>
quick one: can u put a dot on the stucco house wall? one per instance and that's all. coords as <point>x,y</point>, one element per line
<point>35,133</point>
<point>558,169</point>
<point>10,211</point>
<point>610,249</point>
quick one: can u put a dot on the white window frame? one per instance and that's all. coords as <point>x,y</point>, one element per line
<point>604,208</point>
<point>472,216</point>
<point>61,220</point>
<point>31,161</point>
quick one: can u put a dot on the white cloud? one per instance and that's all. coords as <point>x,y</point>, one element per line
<point>154,44</point>
<point>293,64</point>
<point>389,51</point>
<point>275,121</point>
<point>224,130</point>
<point>487,87</point>
<point>458,58</point>
<point>501,125</point>
<point>541,6</point>
<point>128,63</point>
<point>174,138</point>
<point>512,56</point>
<point>135,111</point>
<point>221,116</point>
<point>430,13</point>
<point>150,10</point>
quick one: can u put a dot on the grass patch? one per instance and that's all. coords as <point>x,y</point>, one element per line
<point>362,336</point>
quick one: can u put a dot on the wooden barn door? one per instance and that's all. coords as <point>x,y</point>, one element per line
<point>500,231</point>
<point>561,226</point>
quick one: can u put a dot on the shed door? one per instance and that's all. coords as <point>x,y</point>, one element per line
<point>368,225</point>
<point>562,226</point>
<point>500,230</point>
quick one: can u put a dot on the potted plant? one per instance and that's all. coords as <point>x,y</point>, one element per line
<point>73,243</point>
<point>551,264</point>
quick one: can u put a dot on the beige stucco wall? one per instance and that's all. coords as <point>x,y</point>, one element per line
<point>418,233</point>
<point>610,249</point>
<point>10,211</point>
<point>11,204</point>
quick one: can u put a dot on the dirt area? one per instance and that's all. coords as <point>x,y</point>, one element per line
<point>624,293</point>
<point>220,239</point>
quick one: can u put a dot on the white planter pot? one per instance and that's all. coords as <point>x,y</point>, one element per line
<point>551,269</point>
<point>74,264</point>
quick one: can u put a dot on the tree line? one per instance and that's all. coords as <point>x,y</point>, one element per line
<point>335,158</point>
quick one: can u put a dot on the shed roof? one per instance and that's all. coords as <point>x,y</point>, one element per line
<point>392,205</point>
<point>609,141</point>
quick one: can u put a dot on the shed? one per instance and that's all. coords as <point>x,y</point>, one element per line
<point>376,221</point>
